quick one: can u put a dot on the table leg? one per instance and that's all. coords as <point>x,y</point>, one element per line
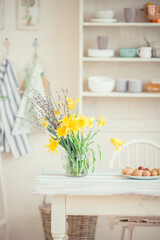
<point>130,233</point>
<point>122,233</point>
<point>58,217</point>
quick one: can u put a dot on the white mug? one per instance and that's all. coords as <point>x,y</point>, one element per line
<point>144,52</point>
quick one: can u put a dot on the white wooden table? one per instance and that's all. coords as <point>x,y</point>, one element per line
<point>106,193</point>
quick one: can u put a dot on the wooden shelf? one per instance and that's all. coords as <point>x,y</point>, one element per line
<point>119,59</point>
<point>123,95</point>
<point>120,24</point>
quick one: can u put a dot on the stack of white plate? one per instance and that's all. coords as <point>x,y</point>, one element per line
<point>104,16</point>
<point>101,53</point>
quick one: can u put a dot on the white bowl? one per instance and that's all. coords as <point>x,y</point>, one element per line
<point>101,84</point>
<point>109,14</point>
<point>100,52</point>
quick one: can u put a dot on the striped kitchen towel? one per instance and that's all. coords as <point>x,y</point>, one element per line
<point>18,144</point>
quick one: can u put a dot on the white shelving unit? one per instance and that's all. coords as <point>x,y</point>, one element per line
<point>122,95</point>
<point>119,59</point>
<point>83,59</point>
<point>120,24</point>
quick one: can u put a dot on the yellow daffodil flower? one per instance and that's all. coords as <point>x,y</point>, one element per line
<point>90,122</point>
<point>74,126</point>
<point>85,122</point>
<point>53,144</point>
<point>117,142</point>
<point>72,104</point>
<point>82,120</point>
<point>73,116</point>
<point>63,131</point>
<point>56,112</point>
<point>64,120</point>
<point>44,122</point>
<point>43,118</point>
<point>101,121</point>
<point>73,123</point>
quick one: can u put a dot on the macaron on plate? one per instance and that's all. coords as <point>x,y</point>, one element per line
<point>141,173</point>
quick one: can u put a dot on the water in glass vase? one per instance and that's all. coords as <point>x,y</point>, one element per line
<point>77,164</point>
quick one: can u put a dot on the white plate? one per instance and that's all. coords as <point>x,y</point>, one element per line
<point>103,20</point>
<point>100,52</point>
<point>141,178</point>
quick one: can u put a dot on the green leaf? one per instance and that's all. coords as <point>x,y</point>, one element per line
<point>99,150</point>
<point>88,136</point>
<point>74,141</point>
<point>94,158</point>
<point>94,134</point>
<point>88,144</point>
<point>70,143</point>
<point>64,144</point>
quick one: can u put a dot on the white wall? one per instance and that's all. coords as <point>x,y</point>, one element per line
<point>58,52</point>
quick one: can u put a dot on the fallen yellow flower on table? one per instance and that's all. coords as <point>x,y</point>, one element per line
<point>101,121</point>
<point>53,144</point>
<point>72,104</point>
<point>117,142</point>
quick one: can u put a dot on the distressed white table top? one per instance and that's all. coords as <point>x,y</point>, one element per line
<point>99,184</point>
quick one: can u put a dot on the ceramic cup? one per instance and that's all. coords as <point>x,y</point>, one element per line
<point>121,85</point>
<point>156,52</point>
<point>130,14</point>
<point>135,85</point>
<point>144,52</point>
<point>102,42</point>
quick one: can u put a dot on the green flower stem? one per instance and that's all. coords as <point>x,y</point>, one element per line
<point>76,152</point>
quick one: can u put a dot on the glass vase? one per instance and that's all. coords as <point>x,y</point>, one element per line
<point>77,164</point>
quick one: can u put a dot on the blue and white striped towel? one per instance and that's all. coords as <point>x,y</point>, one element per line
<point>18,144</point>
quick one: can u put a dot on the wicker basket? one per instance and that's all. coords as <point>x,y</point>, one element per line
<point>79,227</point>
<point>45,210</point>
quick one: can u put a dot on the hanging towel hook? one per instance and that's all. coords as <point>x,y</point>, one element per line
<point>6,44</point>
<point>35,45</point>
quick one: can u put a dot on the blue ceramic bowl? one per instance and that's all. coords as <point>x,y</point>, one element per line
<point>128,52</point>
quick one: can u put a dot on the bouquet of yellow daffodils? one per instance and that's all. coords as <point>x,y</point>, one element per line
<point>67,130</point>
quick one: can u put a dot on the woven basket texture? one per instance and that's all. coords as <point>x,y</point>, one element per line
<point>79,227</point>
